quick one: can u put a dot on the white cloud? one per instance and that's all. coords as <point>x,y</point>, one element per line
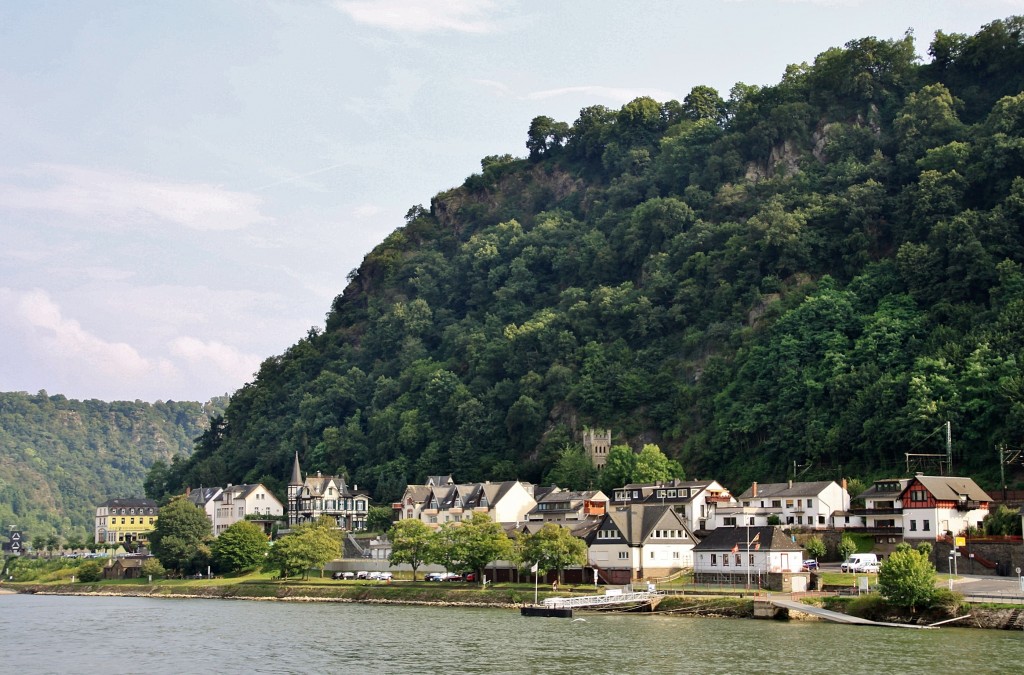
<point>119,199</point>
<point>225,358</point>
<point>608,93</point>
<point>66,342</point>
<point>422,16</point>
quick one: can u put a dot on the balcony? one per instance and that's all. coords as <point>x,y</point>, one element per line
<point>718,499</point>
<point>877,530</point>
<point>968,505</point>
<point>877,512</point>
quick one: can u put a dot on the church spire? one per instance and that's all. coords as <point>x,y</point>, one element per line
<point>296,472</point>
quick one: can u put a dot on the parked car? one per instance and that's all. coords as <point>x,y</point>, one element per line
<point>434,576</point>
<point>343,575</point>
<point>452,576</point>
<point>385,576</point>
<point>362,574</point>
<point>471,576</point>
<point>860,562</point>
<point>810,565</point>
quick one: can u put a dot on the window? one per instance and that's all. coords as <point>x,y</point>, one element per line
<point>432,519</point>
<point>799,503</point>
<point>776,504</point>
<point>789,503</point>
<point>799,520</point>
<point>918,496</point>
<point>675,555</point>
<point>739,560</point>
<point>926,525</point>
<point>729,522</point>
<point>132,521</point>
<point>810,503</point>
<point>821,520</point>
<point>725,560</point>
<point>913,526</point>
<point>671,493</point>
<point>652,555</point>
<point>714,560</point>
<point>750,521</point>
<point>623,555</point>
<point>748,504</point>
<point>751,563</point>
<point>457,517</point>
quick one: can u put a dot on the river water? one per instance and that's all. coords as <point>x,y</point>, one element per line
<point>59,634</point>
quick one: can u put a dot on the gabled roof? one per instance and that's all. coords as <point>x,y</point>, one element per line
<point>783,490</point>
<point>146,503</point>
<point>952,488</point>
<point>636,521</point>
<point>296,471</point>
<point>726,538</point>
<point>202,496</point>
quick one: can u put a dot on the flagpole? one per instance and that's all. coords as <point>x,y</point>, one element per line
<point>536,567</point>
<point>748,553</point>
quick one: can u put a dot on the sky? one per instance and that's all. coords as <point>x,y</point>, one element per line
<point>184,186</point>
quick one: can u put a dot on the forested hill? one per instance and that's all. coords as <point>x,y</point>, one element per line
<point>817,273</point>
<point>60,458</point>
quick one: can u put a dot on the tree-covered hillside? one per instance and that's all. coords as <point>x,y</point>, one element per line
<point>60,458</point>
<point>818,273</point>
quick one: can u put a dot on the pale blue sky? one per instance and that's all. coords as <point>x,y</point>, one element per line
<point>185,185</point>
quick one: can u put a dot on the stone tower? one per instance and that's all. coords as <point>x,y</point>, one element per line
<point>597,443</point>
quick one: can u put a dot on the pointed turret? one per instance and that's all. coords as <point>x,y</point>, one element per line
<point>296,472</point>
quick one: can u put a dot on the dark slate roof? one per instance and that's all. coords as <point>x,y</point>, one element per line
<point>296,471</point>
<point>782,490</point>
<point>880,489</point>
<point>200,496</point>
<point>725,538</point>
<point>636,521</point>
<point>146,503</point>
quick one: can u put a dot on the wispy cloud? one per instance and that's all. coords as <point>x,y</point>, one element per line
<point>607,93</point>
<point>64,340</point>
<point>119,199</point>
<point>423,16</point>
<point>225,358</point>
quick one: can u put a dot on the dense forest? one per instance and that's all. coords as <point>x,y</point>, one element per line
<point>812,277</point>
<point>60,458</point>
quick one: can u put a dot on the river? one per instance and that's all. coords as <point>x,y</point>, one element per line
<point>62,634</point>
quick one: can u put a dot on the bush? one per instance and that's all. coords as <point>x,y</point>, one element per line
<point>151,567</point>
<point>907,579</point>
<point>90,571</point>
<point>870,606</point>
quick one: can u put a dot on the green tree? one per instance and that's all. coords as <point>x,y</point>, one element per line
<point>815,548</point>
<point>310,545</point>
<point>1002,521</point>
<point>410,543</point>
<point>151,567</point>
<point>652,465</point>
<point>573,470</point>
<point>907,579</point>
<point>378,519</point>
<point>846,547</point>
<point>554,547</point>
<point>618,468</point>
<point>180,537</point>
<point>242,546</point>
<point>471,545</point>
<point>90,571</point>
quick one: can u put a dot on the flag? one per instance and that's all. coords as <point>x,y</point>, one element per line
<point>536,566</point>
<point>757,537</point>
<point>736,548</point>
<point>757,546</point>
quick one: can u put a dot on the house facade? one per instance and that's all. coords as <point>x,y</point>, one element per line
<point>881,516</point>
<point>697,501</point>
<point>638,541</point>
<point>314,497</point>
<point>934,506</point>
<point>808,505</point>
<point>226,506</point>
<point>741,555</point>
<point>120,521</point>
<point>441,500</point>
<point>568,506</point>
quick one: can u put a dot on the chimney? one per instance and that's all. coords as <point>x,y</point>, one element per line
<point>318,474</point>
<point>790,485</point>
<point>754,488</point>
<point>844,485</point>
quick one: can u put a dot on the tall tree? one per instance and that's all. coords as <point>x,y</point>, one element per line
<point>181,534</point>
<point>242,546</point>
<point>410,543</point>
<point>554,548</point>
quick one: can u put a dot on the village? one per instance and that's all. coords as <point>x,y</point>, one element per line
<point>640,532</point>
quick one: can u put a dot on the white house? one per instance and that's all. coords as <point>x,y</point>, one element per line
<point>568,506</point>
<point>937,505</point>
<point>314,497</point>
<point>740,554</point>
<point>696,501</point>
<point>638,541</point>
<point>226,506</point>
<point>442,501</point>
<point>803,505</point>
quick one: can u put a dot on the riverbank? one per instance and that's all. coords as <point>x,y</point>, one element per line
<point>440,595</point>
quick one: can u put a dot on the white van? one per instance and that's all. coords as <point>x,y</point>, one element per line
<point>860,562</point>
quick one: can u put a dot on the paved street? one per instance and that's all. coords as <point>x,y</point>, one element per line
<point>989,589</point>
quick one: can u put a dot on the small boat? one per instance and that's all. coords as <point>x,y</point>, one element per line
<point>546,610</point>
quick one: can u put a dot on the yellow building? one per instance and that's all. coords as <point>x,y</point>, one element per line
<point>120,521</point>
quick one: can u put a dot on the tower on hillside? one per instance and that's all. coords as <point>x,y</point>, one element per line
<point>597,443</point>
<point>294,485</point>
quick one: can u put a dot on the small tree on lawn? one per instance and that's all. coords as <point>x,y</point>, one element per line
<point>179,539</point>
<point>378,519</point>
<point>482,541</point>
<point>410,543</point>
<point>151,567</point>
<point>90,571</point>
<point>242,546</point>
<point>553,547</point>
<point>846,547</point>
<point>907,579</point>
<point>815,548</point>
<point>309,545</point>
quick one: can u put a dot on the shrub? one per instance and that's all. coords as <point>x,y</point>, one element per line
<point>90,571</point>
<point>152,567</point>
